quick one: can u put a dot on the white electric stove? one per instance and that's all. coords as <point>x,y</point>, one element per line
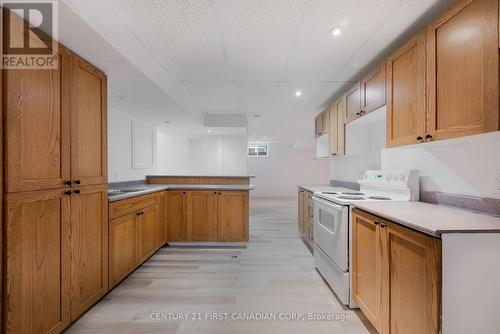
<point>332,222</point>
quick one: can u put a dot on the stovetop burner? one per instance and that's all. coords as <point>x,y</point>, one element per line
<point>355,198</point>
<point>380,198</point>
<point>355,193</point>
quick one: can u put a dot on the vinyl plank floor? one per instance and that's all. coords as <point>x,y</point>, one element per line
<point>228,290</point>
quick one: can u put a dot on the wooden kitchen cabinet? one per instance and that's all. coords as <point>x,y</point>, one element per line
<point>367,254</point>
<point>146,229</point>
<point>462,70</point>
<point>396,276</point>
<point>201,216</point>
<point>161,199</point>
<point>337,127</point>
<point>305,218</point>
<point>176,215</point>
<point>89,247</point>
<point>406,91</point>
<point>37,262</point>
<point>122,252</point>
<point>232,215</point>
<point>333,132</point>
<point>88,124</point>
<point>322,123</point>
<point>353,103</point>
<point>373,90</point>
<point>37,126</point>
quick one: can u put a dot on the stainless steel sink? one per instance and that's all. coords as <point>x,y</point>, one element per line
<point>116,192</point>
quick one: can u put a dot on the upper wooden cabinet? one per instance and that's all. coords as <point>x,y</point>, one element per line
<point>322,123</point>
<point>89,247</point>
<point>37,265</point>
<point>462,70</point>
<point>396,276</point>
<point>89,124</point>
<point>353,103</point>
<point>373,89</point>
<point>202,216</point>
<point>406,107</point>
<point>337,127</point>
<point>37,126</point>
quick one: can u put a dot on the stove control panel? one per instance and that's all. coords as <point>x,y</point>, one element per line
<point>385,177</point>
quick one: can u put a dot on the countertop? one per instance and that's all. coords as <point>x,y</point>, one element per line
<point>432,219</point>
<point>152,188</point>
<point>206,176</point>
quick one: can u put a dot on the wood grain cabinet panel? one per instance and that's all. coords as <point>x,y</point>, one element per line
<point>122,253</point>
<point>373,89</point>
<point>176,215</point>
<point>37,251</point>
<point>353,103</point>
<point>366,267</point>
<point>232,215</point>
<point>202,216</point>
<point>462,70</point>
<point>37,127</point>
<point>89,247</point>
<point>147,224</point>
<point>406,82</point>
<point>333,132</point>
<point>88,124</point>
<point>161,234</point>
<point>412,276</point>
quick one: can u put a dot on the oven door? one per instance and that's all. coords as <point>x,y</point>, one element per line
<point>331,228</point>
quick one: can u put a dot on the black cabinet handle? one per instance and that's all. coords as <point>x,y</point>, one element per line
<point>376,222</point>
<point>383,225</point>
<point>138,214</point>
<point>220,193</point>
<point>142,212</point>
<point>419,138</point>
<point>68,182</point>
<point>78,182</point>
<point>67,192</point>
<point>215,193</point>
<point>428,136</point>
<point>77,191</point>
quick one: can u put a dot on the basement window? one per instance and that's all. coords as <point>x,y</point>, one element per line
<point>258,151</point>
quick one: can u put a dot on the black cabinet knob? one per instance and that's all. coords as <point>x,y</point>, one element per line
<point>428,136</point>
<point>376,222</point>
<point>67,192</point>
<point>78,182</point>
<point>77,191</point>
<point>383,225</point>
<point>419,138</point>
<point>68,182</point>
<point>138,214</point>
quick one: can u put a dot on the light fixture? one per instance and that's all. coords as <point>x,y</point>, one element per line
<point>298,93</point>
<point>336,31</point>
<point>208,131</point>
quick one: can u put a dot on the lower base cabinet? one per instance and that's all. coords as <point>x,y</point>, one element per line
<point>232,216</point>
<point>305,218</point>
<point>146,228</point>
<point>201,217</point>
<point>122,259</point>
<point>396,276</point>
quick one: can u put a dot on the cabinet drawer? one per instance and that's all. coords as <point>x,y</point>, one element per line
<point>121,208</point>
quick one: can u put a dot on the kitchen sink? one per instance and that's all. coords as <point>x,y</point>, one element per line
<point>115,192</point>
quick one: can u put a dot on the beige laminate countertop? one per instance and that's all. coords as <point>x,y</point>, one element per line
<point>321,188</point>
<point>144,189</point>
<point>432,219</point>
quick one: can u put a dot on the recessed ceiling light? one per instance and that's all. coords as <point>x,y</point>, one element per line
<point>208,131</point>
<point>336,31</point>
<point>298,93</point>
<point>256,116</point>
<point>166,122</point>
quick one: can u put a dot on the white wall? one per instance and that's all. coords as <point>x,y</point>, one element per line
<point>120,148</point>
<point>466,166</point>
<point>363,145</point>
<point>286,167</point>
<point>173,153</point>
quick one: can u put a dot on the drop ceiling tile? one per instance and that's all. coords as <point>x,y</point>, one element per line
<point>288,102</point>
<point>213,95</point>
<point>257,35</point>
<point>255,95</point>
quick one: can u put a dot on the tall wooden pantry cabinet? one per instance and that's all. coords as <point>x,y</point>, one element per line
<point>55,206</point>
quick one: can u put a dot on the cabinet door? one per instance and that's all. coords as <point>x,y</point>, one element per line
<point>366,266</point>
<point>318,125</point>
<point>89,247</point>
<point>88,124</point>
<point>373,89</point>
<point>37,127</point>
<point>412,278</point>
<point>352,103</point>
<point>161,235</point>
<point>122,234</point>
<point>406,93</point>
<point>201,216</point>
<point>232,217</point>
<point>333,133</point>
<point>146,233</point>
<point>176,215</point>
<point>37,254</point>
<point>340,106</point>
<point>325,123</point>
<point>462,70</point>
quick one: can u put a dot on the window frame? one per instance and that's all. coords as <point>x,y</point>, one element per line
<point>256,148</point>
